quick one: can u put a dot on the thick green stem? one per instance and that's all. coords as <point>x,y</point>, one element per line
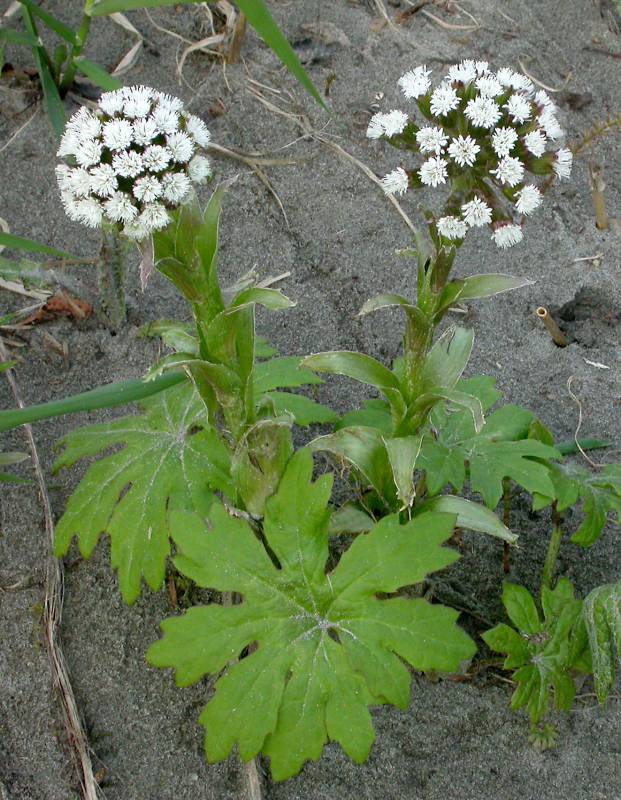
<point>553,548</point>
<point>112,274</point>
<point>76,49</point>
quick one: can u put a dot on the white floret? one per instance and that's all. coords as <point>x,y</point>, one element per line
<point>528,199</point>
<point>415,83</point>
<point>433,172</point>
<point>477,213</point>
<point>118,134</point>
<point>452,227</point>
<point>198,130</point>
<point>506,235</point>
<point>199,169</point>
<point>396,182</point>
<point>147,188</point>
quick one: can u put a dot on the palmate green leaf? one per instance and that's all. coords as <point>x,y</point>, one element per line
<point>540,650</point>
<point>600,493</point>
<point>326,646</point>
<point>601,616</point>
<point>498,451</point>
<point>169,458</point>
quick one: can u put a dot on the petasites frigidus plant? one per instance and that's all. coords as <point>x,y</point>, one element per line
<point>319,647</point>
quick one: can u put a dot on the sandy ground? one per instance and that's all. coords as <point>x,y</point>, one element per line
<point>457,740</point>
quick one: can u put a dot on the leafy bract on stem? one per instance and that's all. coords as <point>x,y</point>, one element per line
<point>328,647</point>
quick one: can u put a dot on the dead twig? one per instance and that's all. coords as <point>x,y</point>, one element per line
<point>53,598</point>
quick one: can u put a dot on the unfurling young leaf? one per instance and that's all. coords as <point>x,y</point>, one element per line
<point>170,458</point>
<point>327,646</point>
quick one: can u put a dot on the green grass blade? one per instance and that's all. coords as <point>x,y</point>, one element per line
<point>570,447</point>
<point>53,102</point>
<point>64,31</point>
<point>97,74</point>
<point>18,37</point>
<point>262,21</point>
<point>112,394</point>
<point>30,246</point>
<point>112,6</point>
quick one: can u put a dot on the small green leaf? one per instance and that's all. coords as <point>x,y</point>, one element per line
<point>504,639</point>
<point>273,299</point>
<point>357,366</point>
<point>326,646</point>
<point>373,414</point>
<point>170,458</point>
<point>447,359</point>
<point>479,286</point>
<point>178,335</point>
<point>97,74</point>
<point>402,454</point>
<point>53,102</point>
<point>521,608</point>
<point>363,449</point>
<point>470,516</point>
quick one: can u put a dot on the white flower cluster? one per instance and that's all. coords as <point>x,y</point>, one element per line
<point>485,131</point>
<point>133,160</point>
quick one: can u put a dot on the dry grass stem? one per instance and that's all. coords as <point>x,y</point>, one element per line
<point>21,128</point>
<point>576,400</point>
<point>310,133</point>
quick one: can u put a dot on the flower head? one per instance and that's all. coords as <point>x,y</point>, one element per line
<point>503,140</point>
<point>481,133</point>
<point>389,124</point>
<point>535,142</point>
<point>509,170</point>
<point>519,108</point>
<point>483,112</point>
<point>134,160</point>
